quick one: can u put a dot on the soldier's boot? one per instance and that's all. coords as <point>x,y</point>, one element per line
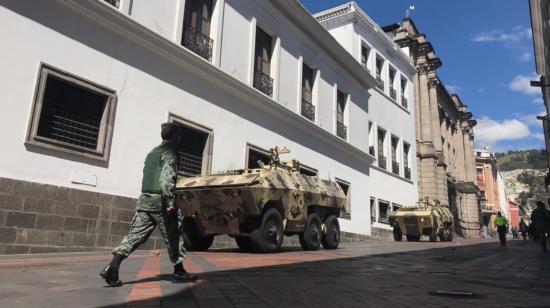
<point>181,275</point>
<point>110,272</point>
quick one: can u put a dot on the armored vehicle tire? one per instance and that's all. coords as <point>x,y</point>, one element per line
<point>410,238</point>
<point>331,235</point>
<point>443,236</point>
<point>310,239</point>
<point>417,238</point>
<point>193,240</point>
<point>433,235</point>
<point>269,236</point>
<point>397,234</point>
<point>244,243</point>
<point>450,235</point>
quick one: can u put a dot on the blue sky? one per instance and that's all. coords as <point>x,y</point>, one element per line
<point>487,53</point>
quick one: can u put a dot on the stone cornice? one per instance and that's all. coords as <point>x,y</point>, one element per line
<point>114,21</point>
<point>360,16</point>
<point>433,83</point>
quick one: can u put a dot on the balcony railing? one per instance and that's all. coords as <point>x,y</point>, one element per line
<point>308,110</point>
<point>395,167</point>
<point>197,42</point>
<point>407,173</point>
<point>341,130</point>
<point>263,83</point>
<point>393,93</point>
<point>364,64</point>
<point>404,101</point>
<point>381,161</point>
<point>371,150</point>
<point>380,84</point>
<point>114,3</point>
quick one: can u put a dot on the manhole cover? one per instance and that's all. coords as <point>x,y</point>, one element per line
<point>458,294</point>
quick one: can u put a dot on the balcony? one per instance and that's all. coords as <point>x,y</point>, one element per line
<point>364,64</point>
<point>404,101</point>
<point>263,83</point>
<point>407,173</point>
<point>393,93</point>
<point>371,150</point>
<point>381,161</point>
<point>308,110</point>
<point>114,3</point>
<point>395,167</point>
<point>341,130</point>
<point>380,84</point>
<point>197,42</point>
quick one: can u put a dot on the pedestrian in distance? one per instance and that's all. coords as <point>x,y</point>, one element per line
<point>514,233</point>
<point>485,232</point>
<point>501,223</point>
<point>540,219</point>
<point>523,229</point>
<point>155,208</point>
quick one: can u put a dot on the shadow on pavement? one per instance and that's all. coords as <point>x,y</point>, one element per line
<point>518,275</point>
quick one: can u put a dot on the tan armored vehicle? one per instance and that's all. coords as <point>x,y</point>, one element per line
<point>259,206</point>
<point>426,219</point>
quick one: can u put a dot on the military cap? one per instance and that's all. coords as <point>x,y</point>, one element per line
<point>168,130</point>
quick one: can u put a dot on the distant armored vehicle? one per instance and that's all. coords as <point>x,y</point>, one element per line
<point>259,206</point>
<point>426,219</point>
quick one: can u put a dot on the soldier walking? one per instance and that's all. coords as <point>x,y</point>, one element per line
<point>540,219</point>
<point>155,207</point>
<point>501,223</point>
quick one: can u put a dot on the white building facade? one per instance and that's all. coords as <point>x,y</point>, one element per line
<point>88,83</point>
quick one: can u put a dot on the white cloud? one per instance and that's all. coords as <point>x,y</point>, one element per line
<point>537,100</point>
<point>539,136</point>
<point>517,34</point>
<point>489,132</point>
<point>522,84</point>
<point>452,89</point>
<point>531,119</point>
<point>524,131</point>
<point>525,56</point>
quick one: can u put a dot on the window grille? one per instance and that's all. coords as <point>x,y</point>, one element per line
<point>72,115</point>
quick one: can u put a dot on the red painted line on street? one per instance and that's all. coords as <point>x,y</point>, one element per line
<point>149,290</point>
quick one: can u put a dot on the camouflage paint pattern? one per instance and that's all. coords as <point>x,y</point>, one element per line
<point>143,224</point>
<point>421,220</point>
<point>220,202</point>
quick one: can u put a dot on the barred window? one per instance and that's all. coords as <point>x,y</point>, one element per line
<point>72,114</point>
<point>195,149</point>
<point>255,154</point>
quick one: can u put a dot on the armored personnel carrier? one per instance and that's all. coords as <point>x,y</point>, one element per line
<point>259,206</point>
<point>427,218</point>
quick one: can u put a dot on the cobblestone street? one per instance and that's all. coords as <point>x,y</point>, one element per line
<point>371,274</point>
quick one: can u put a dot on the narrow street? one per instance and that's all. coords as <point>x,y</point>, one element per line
<point>371,274</point>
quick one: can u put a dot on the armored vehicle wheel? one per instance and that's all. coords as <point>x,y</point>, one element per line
<point>433,235</point>
<point>450,235</point>
<point>331,235</point>
<point>397,235</point>
<point>310,239</point>
<point>410,238</point>
<point>417,238</point>
<point>269,236</point>
<point>244,243</point>
<point>193,240</point>
<point>443,236</point>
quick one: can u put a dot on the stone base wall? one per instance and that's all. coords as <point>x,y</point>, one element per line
<point>38,218</point>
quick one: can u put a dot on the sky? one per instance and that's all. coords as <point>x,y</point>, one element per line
<point>486,48</point>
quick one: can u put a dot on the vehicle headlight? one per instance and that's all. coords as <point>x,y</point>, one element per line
<point>421,219</point>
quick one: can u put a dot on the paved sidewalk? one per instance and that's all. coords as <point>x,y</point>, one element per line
<point>372,274</point>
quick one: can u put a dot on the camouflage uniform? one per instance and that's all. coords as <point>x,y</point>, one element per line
<point>151,209</point>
